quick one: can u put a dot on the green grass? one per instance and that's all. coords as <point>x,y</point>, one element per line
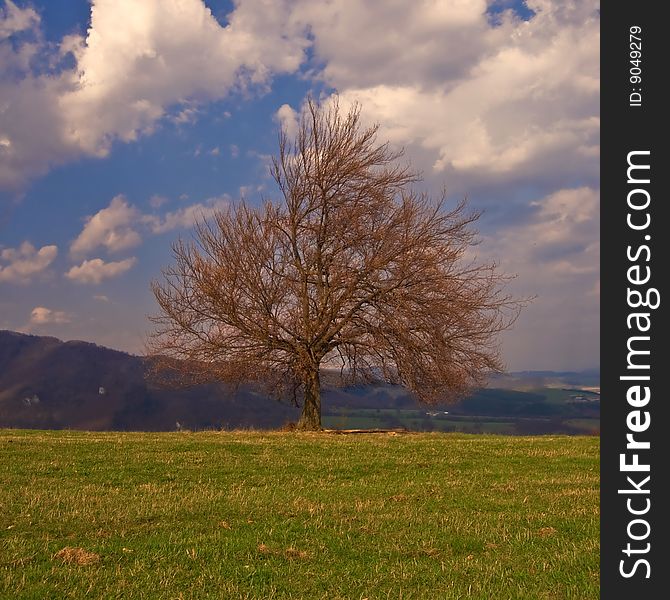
<point>251,515</point>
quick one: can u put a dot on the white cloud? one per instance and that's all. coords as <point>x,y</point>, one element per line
<point>14,19</point>
<point>30,126</point>
<point>25,262</point>
<point>101,297</point>
<point>470,99</point>
<point>140,60</point>
<point>287,119</point>
<point>365,44</point>
<point>185,116</point>
<point>111,227</point>
<point>185,217</point>
<point>95,270</point>
<point>473,103</point>
<point>41,315</point>
<point>30,122</point>
<point>120,225</point>
<point>142,56</point>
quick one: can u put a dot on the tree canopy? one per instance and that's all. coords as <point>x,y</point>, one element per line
<point>351,273</point>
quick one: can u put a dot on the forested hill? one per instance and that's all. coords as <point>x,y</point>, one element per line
<point>47,383</point>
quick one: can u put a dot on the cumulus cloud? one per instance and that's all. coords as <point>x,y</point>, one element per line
<point>96,270</point>
<point>25,262</point>
<point>41,315</point>
<point>287,119</point>
<point>185,116</point>
<point>120,225</point>
<point>474,98</point>
<point>30,123</point>
<point>138,60</point>
<point>185,217</point>
<point>364,44</point>
<point>14,19</point>
<point>111,228</point>
<point>141,56</point>
<point>475,103</point>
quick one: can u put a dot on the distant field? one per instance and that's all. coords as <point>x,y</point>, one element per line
<point>414,420</point>
<point>247,515</point>
<point>421,420</point>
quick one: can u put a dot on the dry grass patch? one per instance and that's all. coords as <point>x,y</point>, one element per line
<point>77,556</point>
<point>399,497</point>
<point>292,553</point>
<point>289,553</point>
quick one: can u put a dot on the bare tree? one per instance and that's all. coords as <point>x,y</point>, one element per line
<point>352,272</point>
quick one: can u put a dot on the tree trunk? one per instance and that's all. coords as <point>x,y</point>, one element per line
<point>310,419</point>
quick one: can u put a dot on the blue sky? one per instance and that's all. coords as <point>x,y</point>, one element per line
<point>121,121</point>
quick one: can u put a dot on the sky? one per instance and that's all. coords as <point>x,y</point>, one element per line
<point>122,122</point>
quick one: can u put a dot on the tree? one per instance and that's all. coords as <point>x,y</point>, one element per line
<point>352,272</point>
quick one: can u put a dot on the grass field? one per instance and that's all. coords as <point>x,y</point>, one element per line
<point>253,515</point>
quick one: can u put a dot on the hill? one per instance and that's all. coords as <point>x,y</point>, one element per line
<point>46,383</point>
<point>49,384</point>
